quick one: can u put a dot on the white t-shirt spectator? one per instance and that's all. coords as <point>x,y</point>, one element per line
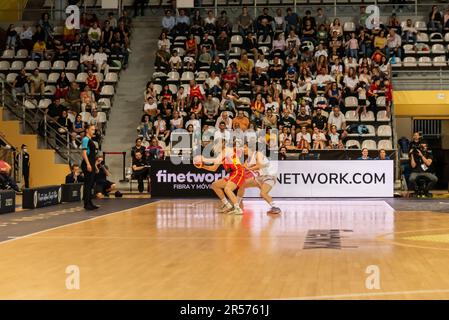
<point>161,124</point>
<point>305,136</point>
<point>351,82</point>
<point>323,79</point>
<point>165,43</point>
<point>273,105</point>
<point>218,135</point>
<point>195,123</point>
<point>100,58</point>
<point>87,57</point>
<point>334,138</point>
<point>319,53</point>
<point>150,107</point>
<point>175,60</point>
<point>319,136</point>
<point>213,82</point>
<point>262,64</point>
<point>337,121</point>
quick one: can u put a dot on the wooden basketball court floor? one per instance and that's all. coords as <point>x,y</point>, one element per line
<point>185,249</point>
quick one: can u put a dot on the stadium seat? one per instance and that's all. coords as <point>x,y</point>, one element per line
<point>351,115</point>
<point>409,49</point>
<point>22,54</point>
<point>81,77</point>
<point>425,62</point>
<point>438,48</point>
<point>236,61</point>
<point>439,61</point>
<point>187,76</point>
<point>369,144</point>
<point>157,88</point>
<point>107,91</point>
<point>352,144</point>
<point>58,65</point>
<point>17,66</point>
<point>385,144</point>
<point>100,76</point>
<point>235,52</point>
<point>236,40</point>
<point>115,66</point>
<point>71,117</point>
<point>31,65</point>
<point>44,103</point>
<point>44,76</point>
<point>382,116</point>
<point>104,103</point>
<point>30,103</point>
<point>409,62</point>
<point>421,25</point>
<point>422,37</point>
<point>11,77</point>
<point>50,90</point>
<point>446,37</point>
<point>72,65</point>
<point>70,76</point>
<point>173,76</point>
<point>384,131</point>
<point>8,54</point>
<point>351,102</point>
<point>111,77</point>
<point>380,101</point>
<point>368,117</point>
<point>4,66</point>
<point>181,51</point>
<point>53,78</point>
<point>173,88</point>
<point>45,66</point>
<point>267,41</point>
<point>436,37</point>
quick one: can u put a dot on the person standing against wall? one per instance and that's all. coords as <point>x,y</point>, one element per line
<point>25,162</point>
<point>88,166</point>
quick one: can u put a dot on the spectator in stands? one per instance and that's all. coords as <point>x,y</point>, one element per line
<point>293,22</point>
<point>94,35</point>
<point>46,26</point>
<point>20,85</point>
<point>265,25</point>
<point>26,37</point>
<point>111,20</point>
<point>446,19</point>
<point>435,19</point>
<point>64,128</point>
<point>87,99</point>
<point>197,23</point>
<point>338,119</point>
<point>11,37</point>
<point>409,32</point>
<point>75,175</point>
<point>245,67</point>
<point>92,82</point>
<point>101,61</point>
<point>175,61</point>
<point>269,120</point>
<point>138,147</point>
<point>62,86</point>
<point>334,139</point>
<point>223,23</point>
<point>162,132</point>
<point>162,58</point>
<point>39,50</point>
<point>146,127</point>
<point>77,130</point>
<point>421,163</point>
<point>72,100</point>
<point>182,23</point>
<point>211,107</point>
<point>415,142</point>
<point>365,155</point>
<point>382,155</point>
<point>87,61</point>
<point>154,151</point>
<point>303,139</point>
<point>393,44</point>
<point>279,21</point>
<point>168,21</point>
<point>37,83</point>
<point>319,120</point>
<point>244,22</point>
<point>319,139</point>
<point>241,121</point>
<point>223,44</point>
<point>210,23</point>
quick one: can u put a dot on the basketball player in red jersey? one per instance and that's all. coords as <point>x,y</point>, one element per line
<point>225,187</point>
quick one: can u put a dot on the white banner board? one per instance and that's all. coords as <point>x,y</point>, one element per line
<point>327,178</point>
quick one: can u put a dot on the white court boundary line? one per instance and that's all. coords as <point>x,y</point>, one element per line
<point>354,295</point>
<point>78,222</point>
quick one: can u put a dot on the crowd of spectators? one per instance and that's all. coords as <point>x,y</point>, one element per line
<point>90,51</point>
<point>282,71</point>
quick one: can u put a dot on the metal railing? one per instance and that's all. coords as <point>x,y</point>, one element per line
<point>420,79</point>
<point>37,121</point>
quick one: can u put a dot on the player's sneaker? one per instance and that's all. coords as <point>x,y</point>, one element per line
<point>224,208</point>
<point>274,210</point>
<point>237,211</point>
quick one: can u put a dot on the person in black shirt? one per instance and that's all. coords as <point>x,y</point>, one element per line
<point>303,119</point>
<point>249,43</point>
<point>75,175</point>
<point>275,70</point>
<point>421,163</point>
<point>102,185</point>
<point>264,25</point>
<point>286,120</point>
<point>319,120</point>
<point>88,166</point>
<point>137,147</point>
<point>416,141</point>
<point>140,169</point>
<point>216,66</point>
<point>25,158</point>
<point>20,85</point>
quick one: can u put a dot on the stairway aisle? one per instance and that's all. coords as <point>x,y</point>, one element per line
<point>128,102</point>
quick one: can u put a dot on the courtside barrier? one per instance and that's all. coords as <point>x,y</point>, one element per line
<point>7,201</point>
<point>295,178</point>
<point>72,192</point>
<point>41,197</point>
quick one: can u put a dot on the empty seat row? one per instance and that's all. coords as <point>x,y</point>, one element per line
<point>369,144</point>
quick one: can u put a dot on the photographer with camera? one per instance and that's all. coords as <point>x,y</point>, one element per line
<point>421,163</point>
<point>102,185</point>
